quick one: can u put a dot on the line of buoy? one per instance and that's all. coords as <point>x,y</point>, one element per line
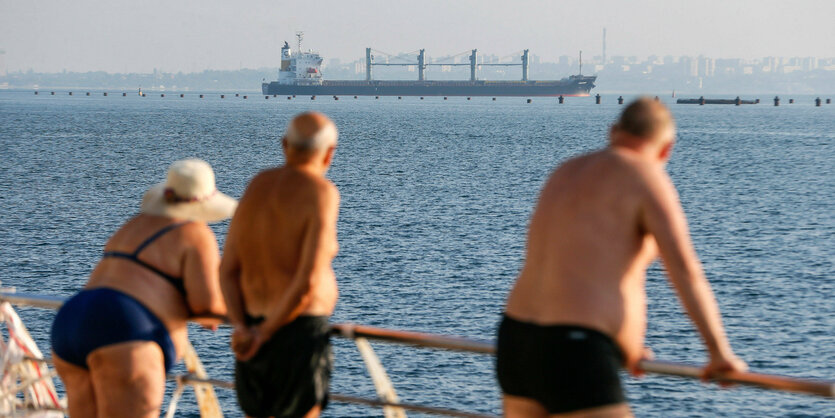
<point>561,99</point>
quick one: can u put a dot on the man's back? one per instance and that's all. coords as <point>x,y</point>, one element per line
<point>586,252</point>
<point>272,221</point>
<point>277,279</point>
<point>578,310</point>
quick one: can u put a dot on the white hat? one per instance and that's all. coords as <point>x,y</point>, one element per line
<point>189,193</point>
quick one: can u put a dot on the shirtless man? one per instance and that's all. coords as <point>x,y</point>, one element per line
<point>578,309</point>
<point>277,279</point>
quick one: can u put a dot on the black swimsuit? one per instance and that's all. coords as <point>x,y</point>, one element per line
<point>565,368</point>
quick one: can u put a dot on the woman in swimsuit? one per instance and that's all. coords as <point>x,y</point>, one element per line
<point>114,341</point>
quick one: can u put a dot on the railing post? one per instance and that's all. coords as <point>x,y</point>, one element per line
<point>385,390</point>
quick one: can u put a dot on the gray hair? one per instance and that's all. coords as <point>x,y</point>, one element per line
<point>324,137</point>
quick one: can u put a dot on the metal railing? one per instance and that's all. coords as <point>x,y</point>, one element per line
<point>392,407</point>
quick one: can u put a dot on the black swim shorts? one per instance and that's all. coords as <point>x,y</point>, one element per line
<point>290,373</point>
<point>564,368</point>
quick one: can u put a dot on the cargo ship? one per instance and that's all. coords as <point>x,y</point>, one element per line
<point>300,74</point>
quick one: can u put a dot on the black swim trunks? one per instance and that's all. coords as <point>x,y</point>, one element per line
<point>290,373</point>
<point>564,368</point>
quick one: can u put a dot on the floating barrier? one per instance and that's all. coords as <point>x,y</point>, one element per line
<point>701,101</point>
<point>597,99</point>
<point>387,398</point>
<point>104,94</point>
<point>818,102</point>
<point>124,94</point>
<point>791,101</point>
<point>36,92</point>
<point>561,99</point>
<point>528,101</point>
<point>776,101</point>
<point>828,101</point>
<point>620,100</point>
<point>266,97</point>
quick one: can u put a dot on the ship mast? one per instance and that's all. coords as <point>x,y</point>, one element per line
<point>300,36</point>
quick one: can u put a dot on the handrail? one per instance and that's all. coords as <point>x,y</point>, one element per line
<point>818,387</point>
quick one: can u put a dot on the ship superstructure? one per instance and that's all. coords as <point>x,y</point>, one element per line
<point>300,74</point>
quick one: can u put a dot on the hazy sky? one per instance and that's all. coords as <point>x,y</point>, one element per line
<point>171,35</point>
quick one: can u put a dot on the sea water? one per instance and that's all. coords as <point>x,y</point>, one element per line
<point>436,198</point>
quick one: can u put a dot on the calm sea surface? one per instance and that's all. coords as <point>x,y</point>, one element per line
<point>436,197</point>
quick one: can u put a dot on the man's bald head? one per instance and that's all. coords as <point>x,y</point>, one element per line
<point>311,131</point>
<point>645,118</point>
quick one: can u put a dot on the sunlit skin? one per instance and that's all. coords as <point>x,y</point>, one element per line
<point>277,256</point>
<point>601,219</point>
<point>128,379</point>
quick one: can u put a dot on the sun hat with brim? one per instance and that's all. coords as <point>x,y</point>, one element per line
<point>189,193</point>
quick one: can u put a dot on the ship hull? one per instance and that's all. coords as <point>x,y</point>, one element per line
<point>572,86</point>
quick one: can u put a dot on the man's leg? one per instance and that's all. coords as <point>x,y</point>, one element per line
<point>519,407</point>
<point>620,410</point>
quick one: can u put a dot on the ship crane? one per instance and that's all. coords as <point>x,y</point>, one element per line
<point>422,64</point>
